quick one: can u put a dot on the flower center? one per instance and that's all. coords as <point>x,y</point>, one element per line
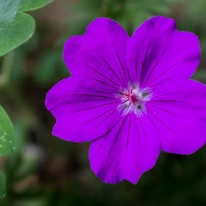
<point>130,96</point>
<point>134,100</point>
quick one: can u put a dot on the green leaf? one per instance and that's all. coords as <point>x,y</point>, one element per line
<point>15,32</point>
<point>8,9</point>
<point>16,27</point>
<point>7,142</point>
<point>29,5</point>
<point>2,185</point>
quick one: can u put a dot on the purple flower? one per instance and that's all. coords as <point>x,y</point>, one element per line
<point>130,96</point>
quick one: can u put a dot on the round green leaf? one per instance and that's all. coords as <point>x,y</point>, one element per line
<point>8,9</point>
<point>7,142</point>
<point>29,5</point>
<point>16,27</point>
<point>15,32</point>
<point>2,185</point>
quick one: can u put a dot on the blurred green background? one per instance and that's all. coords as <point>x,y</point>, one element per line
<point>46,171</point>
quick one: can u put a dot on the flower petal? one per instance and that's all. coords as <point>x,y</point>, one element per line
<point>99,53</point>
<point>82,111</point>
<point>74,93</point>
<point>130,149</point>
<point>157,50</point>
<point>179,113</point>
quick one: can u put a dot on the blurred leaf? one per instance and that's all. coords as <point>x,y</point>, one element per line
<point>17,73</point>
<point>51,68</point>
<point>174,1</point>
<point>2,185</point>
<point>32,202</point>
<point>200,74</point>
<point>83,12</point>
<point>16,27</point>
<point>19,129</point>
<point>46,71</point>
<point>139,18</point>
<point>89,7</point>
<point>6,134</point>
<point>161,9</point>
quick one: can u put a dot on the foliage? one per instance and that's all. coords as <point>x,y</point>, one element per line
<point>7,142</point>
<point>3,185</point>
<point>16,27</point>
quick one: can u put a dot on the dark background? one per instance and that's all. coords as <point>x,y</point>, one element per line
<point>46,171</point>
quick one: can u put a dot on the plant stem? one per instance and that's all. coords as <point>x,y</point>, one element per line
<point>6,68</point>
